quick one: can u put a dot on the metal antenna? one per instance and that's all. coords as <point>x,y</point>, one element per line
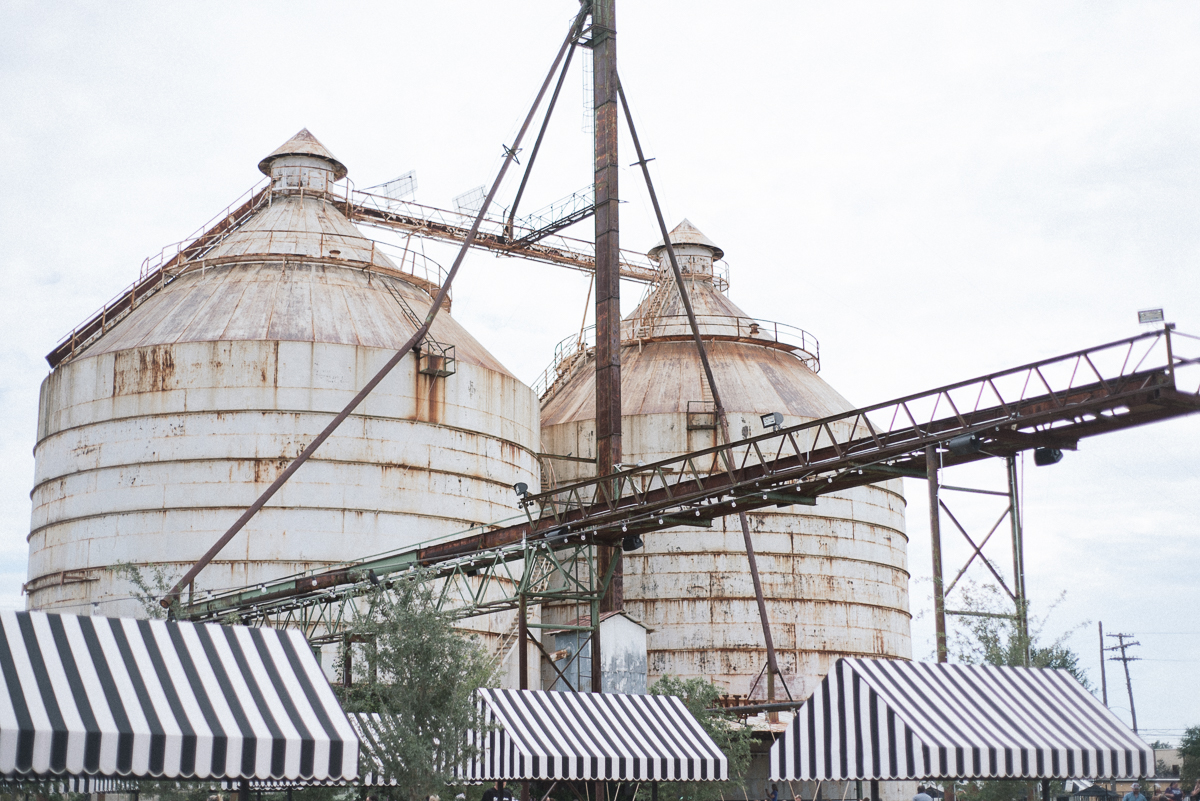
<point>1125,659</point>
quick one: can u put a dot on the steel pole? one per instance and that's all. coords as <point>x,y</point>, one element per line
<point>1018,549</point>
<point>523,658</point>
<point>522,636</point>
<point>935,542</point>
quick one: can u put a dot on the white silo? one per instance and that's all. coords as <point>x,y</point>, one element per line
<point>834,575</point>
<point>154,437</point>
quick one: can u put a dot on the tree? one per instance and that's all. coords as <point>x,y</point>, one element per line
<point>700,697</point>
<point>991,639</point>
<point>998,641</point>
<point>1189,753</point>
<point>148,590</point>
<point>421,675</point>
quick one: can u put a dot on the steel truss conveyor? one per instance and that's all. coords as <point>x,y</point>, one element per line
<point>1052,403</point>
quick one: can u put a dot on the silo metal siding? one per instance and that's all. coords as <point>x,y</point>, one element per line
<point>155,476</point>
<point>835,577</point>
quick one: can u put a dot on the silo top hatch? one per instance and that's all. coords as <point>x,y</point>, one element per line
<point>303,144</point>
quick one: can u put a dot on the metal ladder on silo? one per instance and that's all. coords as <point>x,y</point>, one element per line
<point>433,358</point>
<point>658,294</point>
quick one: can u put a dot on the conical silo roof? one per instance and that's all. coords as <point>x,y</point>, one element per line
<point>760,365</point>
<point>296,269</point>
<point>685,234</point>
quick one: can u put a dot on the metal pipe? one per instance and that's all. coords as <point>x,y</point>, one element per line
<point>212,552</point>
<point>781,706</point>
<point>935,542</point>
<point>1018,547</point>
<point>537,144</point>
<point>772,664</point>
<point>522,646</point>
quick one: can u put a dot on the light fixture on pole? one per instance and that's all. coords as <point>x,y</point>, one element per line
<point>965,444</point>
<point>1043,457</point>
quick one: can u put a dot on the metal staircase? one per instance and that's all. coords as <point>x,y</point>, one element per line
<point>433,358</point>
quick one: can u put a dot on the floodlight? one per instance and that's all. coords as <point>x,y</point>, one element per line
<point>632,542</point>
<point>521,488</point>
<point>1043,457</point>
<point>771,421</point>
<point>964,444</point>
<point>1150,316</point>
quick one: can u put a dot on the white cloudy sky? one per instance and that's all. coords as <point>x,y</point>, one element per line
<point>934,190</point>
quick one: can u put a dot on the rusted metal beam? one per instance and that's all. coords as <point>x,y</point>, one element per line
<point>722,418</point>
<point>866,453</point>
<point>431,223</point>
<point>417,336</point>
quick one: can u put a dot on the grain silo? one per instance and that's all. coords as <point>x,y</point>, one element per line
<point>834,575</point>
<point>154,435</point>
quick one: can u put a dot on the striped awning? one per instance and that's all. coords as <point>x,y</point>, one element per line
<point>98,696</point>
<point>567,736</point>
<point>888,719</point>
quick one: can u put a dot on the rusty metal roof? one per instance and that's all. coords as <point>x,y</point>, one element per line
<point>304,144</point>
<point>300,302</point>
<point>301,226</point>
<point>758,368</point>
<point>686,234</point>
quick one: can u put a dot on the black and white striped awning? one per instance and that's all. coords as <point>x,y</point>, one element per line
<point>888,719</point>
<point>568,736</point>
<point>102,696</point>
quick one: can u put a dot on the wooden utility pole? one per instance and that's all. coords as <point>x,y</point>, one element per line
<point>608,296</point>
<point>1125,659</point>
<point>1103,678</point>
<point>608,244</point>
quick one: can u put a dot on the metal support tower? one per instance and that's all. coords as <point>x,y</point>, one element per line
<point>941,589</point>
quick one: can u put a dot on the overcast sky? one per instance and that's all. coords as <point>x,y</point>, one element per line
<point>934,190</point>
